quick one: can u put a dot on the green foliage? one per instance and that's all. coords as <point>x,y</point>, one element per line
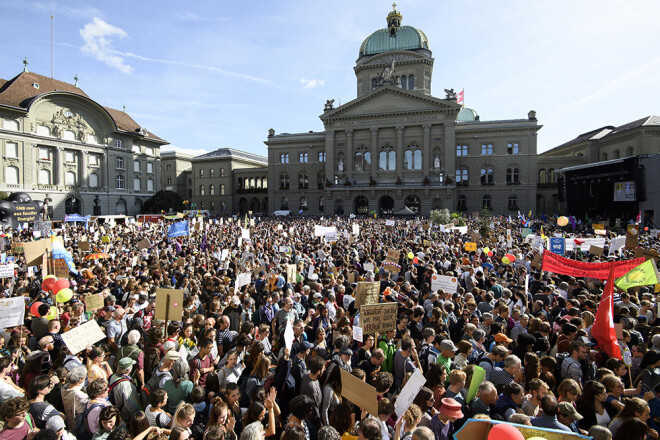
<point>440,216</point>
<point>4,195</point>
<point>163,201</point>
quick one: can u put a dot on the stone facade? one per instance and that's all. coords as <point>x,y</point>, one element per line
<point>175,173</point>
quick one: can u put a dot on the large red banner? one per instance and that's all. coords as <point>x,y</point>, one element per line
<point>565,266</point>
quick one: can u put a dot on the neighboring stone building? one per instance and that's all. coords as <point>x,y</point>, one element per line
<point>176,174</point>
<point>396,146</point>
<point>59,144</point>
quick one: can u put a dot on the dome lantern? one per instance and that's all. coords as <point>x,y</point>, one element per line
<point>394,21</point>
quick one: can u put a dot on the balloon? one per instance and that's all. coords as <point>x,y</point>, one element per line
<point>411,255</point>
<point>511,257</point>
<point>52,313</point>
<point>415,260</point>
<point>486,249</point>
<point>490,253</point>
<point>60,284</point>
<point>64,295</point>
<point>562,221</point>
<point>43,309</point>
<point>47,283</point>
<point>504,431</point>
<point>646,228</point>
<point>34,308</point>
<point>505,260</point>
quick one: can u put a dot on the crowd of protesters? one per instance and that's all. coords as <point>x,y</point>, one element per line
<point>223,371</point>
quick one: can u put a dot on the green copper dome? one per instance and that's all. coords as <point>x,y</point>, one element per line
<point>406,38</point>
<point>467,115</point>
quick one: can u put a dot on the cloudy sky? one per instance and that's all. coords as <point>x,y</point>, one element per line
<point>210,74</point>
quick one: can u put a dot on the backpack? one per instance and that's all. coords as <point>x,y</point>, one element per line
<point>81,426</point>
<point>424,356</point>
<point>151,385</point>
<point>151,360</point>
<point>111,388</point>
<point>560,360</point>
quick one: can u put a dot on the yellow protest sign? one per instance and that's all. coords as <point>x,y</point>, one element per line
<point>470,246</point>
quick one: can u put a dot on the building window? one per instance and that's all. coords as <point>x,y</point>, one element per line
<point>211,173</point>
<point>11,175</point>
<point>284,158</point>
<point>387,159</point>
<point>487,176</point>
<point>512,148</point>
<point>285,203</point>
<point>616,154</point>
<point>42,130</point>
<point>411,82</point>
<point>10,124</point>
<point>512,175</point>
<point>322,156</point>
<point>44,154</point>
<point>629,152</point>
<point>150,167</point>
<point>222,190</point>
<point>412,159</point>
<point>303,180</point>
<point>461,150</point>
<point>201,174</point>
<point>136,149</point>
<point>169,167</point>
<point>222,172</point>
<point>303,157</point>
<point>239,183</point>
<point>201,190</point>
<point>320,179</point>
<point>91,139</point>
<point>373,84</point>
<point>68,135</point>
<point>119,143</point>
<point>149,151</point>
<point>136,166</point>
<point>404,82</point>
<point>120,182</point>
<point>264,183</point>
<point>93,180</point>
<point>487,150</point>
<point>462,175</point>
<point>303,203</point>
<point>513,202</point>
<point>486,203</point>
<point>284,181</point>
<point>44,177</point>
<point>11,150</point>
<point>70,178</point>
<point>461,204</point>
<point>137,184</point>
<point>169,180</point>
<point>212,190</point>
<point>119,162</point>
<point>212,206</point>
<point>150,184</point>
<point>604,156</point>
<point>362,160</point>
<point>69,157</point>
<point>542,176</point>
<point>94,159</point>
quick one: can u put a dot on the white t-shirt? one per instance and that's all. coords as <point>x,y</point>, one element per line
<point>158,419</point>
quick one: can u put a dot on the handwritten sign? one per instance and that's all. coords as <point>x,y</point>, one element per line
<point>409,392</point>
<point>12,311</point>
<point>243,279</point>
<point>143,244</point>
<point>357,333</point>
<point>78,338</point>
<point>94,302</point>
<point>359,392</point>
<point>83,246</point>
<point>377,318</point>
<point>175,310</point>
<point>7,270</point>
<point>60,268</point>
<point>367,293</point>
<point>393,255</point>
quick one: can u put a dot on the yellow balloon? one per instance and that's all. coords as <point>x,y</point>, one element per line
<point>52,313</point>
<point>49,276</point>
<point>506,260</point>
<point>486,249</point>
<point>562,221</point>
<point>411,255</point>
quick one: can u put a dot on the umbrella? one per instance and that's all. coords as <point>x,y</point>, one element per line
<point>96,256</point>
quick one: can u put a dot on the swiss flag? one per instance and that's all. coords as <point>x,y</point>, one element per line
<point>603,328</point>
<point>459,97</point>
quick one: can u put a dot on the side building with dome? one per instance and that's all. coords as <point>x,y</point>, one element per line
<point>396,146</point>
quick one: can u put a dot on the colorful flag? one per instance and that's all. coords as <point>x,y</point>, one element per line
<point>646,274</point>
<point>204,243</point>
<point>603,328</point>
<point>459,97</point>
<point>639,217</point>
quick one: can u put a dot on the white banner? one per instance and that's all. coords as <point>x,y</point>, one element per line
<point>330,237</point>
<point>616,244</point>
<point>7,270</point>
<point>389,222</point>
<point>584,243</point>
<point>356,229</point>
<point>245,234</point>
<point>409,392</point>
<point>320,231</point>
<point>78,338</point>
<point>446,283</point>
<point>12,311</point>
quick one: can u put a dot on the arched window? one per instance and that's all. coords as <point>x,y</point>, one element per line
<point>284,158</point>
<point>604,156</point>
<point>303,157</point>
<point>487,176</point>
<point>462,176</point>
<point>320,179</point>
<point>93,180</point>
<point>120,207</point>
<point>303,180</point>
<point>461,204</point>
<point>222,190</point>
<point>487,150</point>
<point>404,82</point>
<point>222,172</point>
<point>551,175</point>
<point>201,174</point>
<point>303,203</point>
<point>512,175</point>
<point>412,159</point>
<point>137,184</point>
<point>211,172</point>
<point>285,203</point>
<point>239,183</point>
<point>411,82</point>
<point>408,160</point>
<point>44,177</point>
<point>629,152</point>
<point>373,83</point>
<point>70,178</point>
<point>284,181</point>
<point>150,184</point>
<point>121,184</point>
<point>264,184</point>
<point>486,202</point>
<point>387,159</point>
<point>461,150</point>
<point>321,156</point>
<point>542,176</point>
<point>513,201</point>
<point>11,175</point>
<point>362,160</point>
<point>72,206</point>
<point>42,130</point>
<point>201,190</point>
<point>512,148</point>
<point>10,124</point>
<point>212,190</point>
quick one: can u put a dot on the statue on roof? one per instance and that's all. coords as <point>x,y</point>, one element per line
<point>388,76</point>
<point>329,104</point>
<point>451,94</point>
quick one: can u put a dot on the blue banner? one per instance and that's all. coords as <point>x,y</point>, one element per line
<point>558,245</point>
<point>179,229</point>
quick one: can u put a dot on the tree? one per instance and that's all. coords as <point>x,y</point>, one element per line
<point>484,222</point>
<point>4,195</point>
<point>163,201</point>
<point>440,216</point>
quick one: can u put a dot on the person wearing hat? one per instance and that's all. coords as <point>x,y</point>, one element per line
<point>123,390</point>
<point>57,425</point>
<point>447,352</point>
<point>162,373</point>
<point>442,424</point>
<point>567,415</point>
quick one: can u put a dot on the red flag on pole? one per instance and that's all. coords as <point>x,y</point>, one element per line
<point>639,217</point>
<point>603,328</point>
<point>459,97</point>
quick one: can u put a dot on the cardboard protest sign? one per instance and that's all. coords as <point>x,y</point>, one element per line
<point>632,235</point>
<point>446,283</point>
<point>470,246</point>
<point>478,378</point>
<point>7,270</point>
<point>351,277</point>
<point>426,226</point>
<point>12,311</point>
<point>409,392</point>
<point>60,268</point>
<point>291,273</point>
<point>83,246</point>
<point>171,310</point>
<point>359,393</point>
<point>180,262</point>
<point>143,244</point>
<point>17,249</point>
<point>367,293</point>
<point>257,270</point>
<point>94,302</point>
<point>479,429</point>
<point>537,263</point>
<point>34,251</point>
<point>368,266</point>
<point>427,242</point>
<point>648,254</point>
<point>78,338</point>
<point>595,250</point>
<point>393,255</point>
<point>377,318</point>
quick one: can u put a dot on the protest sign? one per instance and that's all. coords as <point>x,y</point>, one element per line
<point>60,268</point>
<point>243,279</point>
<point>169,304</point>
<point>245,234</point>
<point>17,249</point>
<point>648,254</point>
<point>367,293</point>
<point>616,244</point>
<point>143,244</point>
<point>526,231</point>
<point>78,338</point>
<point>595,250</point>
<point>477,379</point>
<point>330,237</point>
<point>83,246</point>
<point>557,245</point>
<point>34,250</point>
<point>291,273</point>
<point>389,222</point>
<point>257,270</point>
<point>180,262</point>
<point>355,229</point>
<point>368,267</point>
<point>479,429</point>
<point>427,242</point>
<point>583,243</point>
<point>393,255</point>
<point>359,393</point>
<point>409,392</point>
<point>351,277</point>
<point>598,226</point>
<point>470,246</point>
<point>288,335</point>
<point>12,311</point>
<point>357,333</point>
<point>94,302</point>
<point>7,270</point>
<point>632,235</point>
<point>43,226</point>
<point>320,231</point>
<point>565,266</point>
<point>446,283</point>
<point>377,318</point>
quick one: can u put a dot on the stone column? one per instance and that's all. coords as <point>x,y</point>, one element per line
<point>374,153</point>
<point>349,154</point>
<point>426,153</point>
<point>399,151</point>
<point>330,170</point>
<point>450,151</point>
<point>59,167</point>
<point>84,172</point>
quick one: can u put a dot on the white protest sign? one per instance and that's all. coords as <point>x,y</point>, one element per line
<point>78,338</point>
<point>357,333</point>
<point>584,243</point>
<point>288,335</point>
<point>356,229</point>
<point>7,270</point>
<point>409,392</point>
<point>368,266</point>
<point>330,237</point>
<point>243,279</point>
<point>12,311</point>
<point>389,222</point>
<point>616,244</point>
<point>245,234</point>
<point>446,283</point>
<point>320,231</point>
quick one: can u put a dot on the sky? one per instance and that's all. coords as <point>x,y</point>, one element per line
<point>210,74</point>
